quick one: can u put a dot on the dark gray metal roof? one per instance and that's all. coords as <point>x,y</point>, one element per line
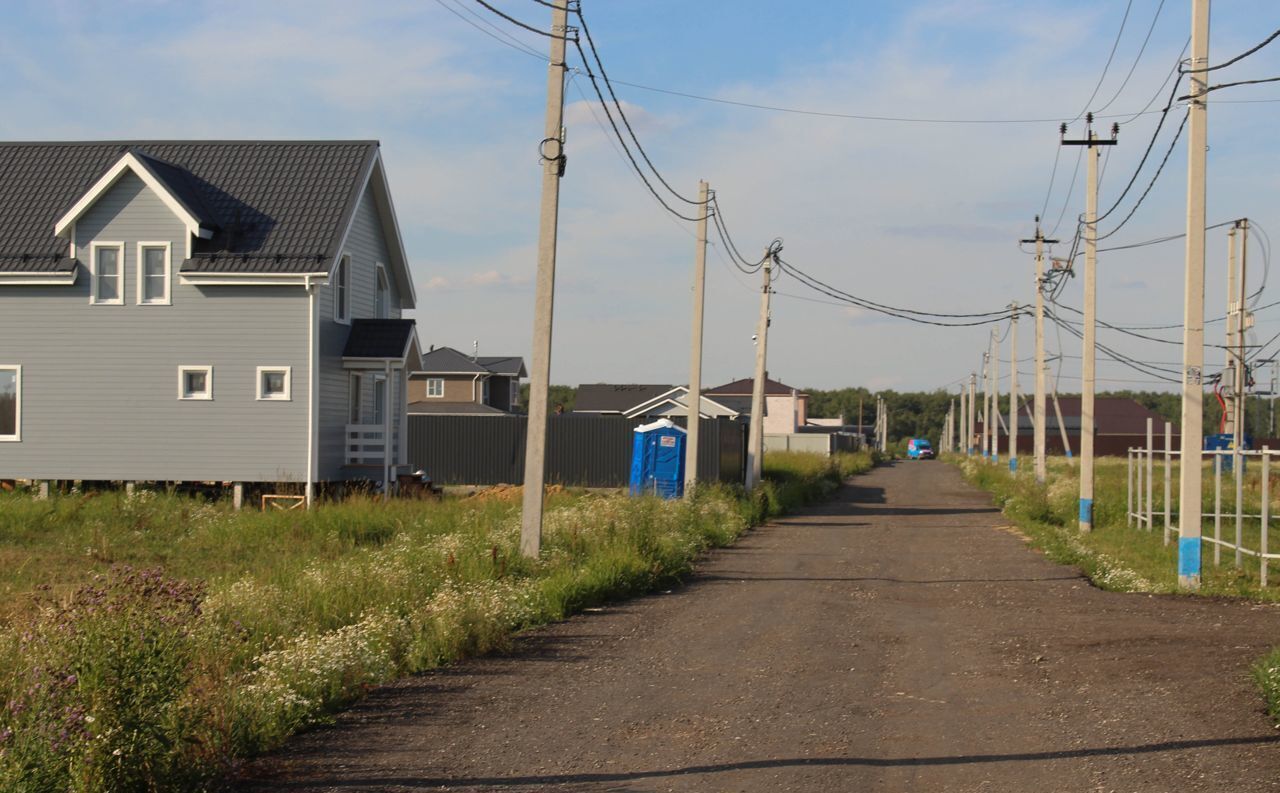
<point>379,338</point>
<point>614,398</point>
<point>274,206</point>
<point>26,263</point>
<point>743,387</point>
<point>439,408</point>
<point>446,360</point>
<point>506,365</point>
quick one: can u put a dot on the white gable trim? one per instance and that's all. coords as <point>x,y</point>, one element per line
<point>129,163</point>
<point>390,230</point>
<point>674,397</point>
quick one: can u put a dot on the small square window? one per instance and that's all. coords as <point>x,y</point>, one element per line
<point>435,386</point>
<point>195,382</point>
<point>273,383</point>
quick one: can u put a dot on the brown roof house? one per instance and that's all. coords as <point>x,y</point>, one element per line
<point>451,383</point>
<point>786,409</point>
<point>1119,423</point>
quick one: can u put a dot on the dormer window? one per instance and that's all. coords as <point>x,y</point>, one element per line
<point>107,265</point>
<point>153,273</point>
<point>342,291</point>
<point>382,298</point>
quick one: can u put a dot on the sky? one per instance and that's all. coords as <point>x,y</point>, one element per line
<point>907,213</point>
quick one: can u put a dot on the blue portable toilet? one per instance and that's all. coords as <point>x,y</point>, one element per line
<point>657,459</point>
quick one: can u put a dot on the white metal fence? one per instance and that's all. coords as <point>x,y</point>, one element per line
<point>1251,529</point>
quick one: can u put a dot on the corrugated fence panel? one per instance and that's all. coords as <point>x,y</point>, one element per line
<point>582,451</point>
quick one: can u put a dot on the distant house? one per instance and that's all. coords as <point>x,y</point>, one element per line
<point>786,408</point>
<point>675,402</point>
<point>1119,423</point>
<point>202,311</point>
<point>615,399</point>
<point>451,383</point>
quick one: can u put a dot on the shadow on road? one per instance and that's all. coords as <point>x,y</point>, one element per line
<point>792,762</point>
<point>730,577</point>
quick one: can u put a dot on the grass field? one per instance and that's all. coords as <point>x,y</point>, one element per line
<point>146,642</point>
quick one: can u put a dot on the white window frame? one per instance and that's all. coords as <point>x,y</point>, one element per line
<point>16,437</point>
<point>431,380</point>
<point>94,247</point>
<point>287,396</point>
<point>142,274</point>
<point>342,291</point>
<point>355,398</point>
<point>381,288</point>
<point>182,384</point>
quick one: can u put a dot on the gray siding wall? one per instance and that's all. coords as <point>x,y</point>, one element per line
<point>367,247</point>
<point>100,383</point>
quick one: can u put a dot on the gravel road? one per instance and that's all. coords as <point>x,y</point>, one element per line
<point>899,638</point>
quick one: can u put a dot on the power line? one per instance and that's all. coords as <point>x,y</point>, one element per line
<point>1219,86</point>
<point>1150,184</point>
<point>518,23</point>
<point>1137,59</point>
<point>586,31</point>
<point>1238,58</point>
<point>498,35</point>
<point>1107,66</point>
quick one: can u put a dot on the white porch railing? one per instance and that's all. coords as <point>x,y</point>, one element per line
<point>366,445</point>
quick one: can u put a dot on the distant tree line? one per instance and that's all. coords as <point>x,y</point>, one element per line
<point>920,414</point>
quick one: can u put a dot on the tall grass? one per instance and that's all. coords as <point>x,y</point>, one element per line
<point>165,638</point>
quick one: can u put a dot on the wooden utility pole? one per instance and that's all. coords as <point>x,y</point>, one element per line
<point>1039,418</point>
<point>1189,479</point>
<point>755,440</point>
<point>553,160</point>
<point>1013,388</point>
<point>695,363</point>
<point>1088,366</point>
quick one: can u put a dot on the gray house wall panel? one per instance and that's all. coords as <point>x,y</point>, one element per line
<point>85,415</point>
<point>366,247</point>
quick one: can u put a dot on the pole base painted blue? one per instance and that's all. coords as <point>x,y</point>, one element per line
<point>1068,453</point>
<point>1189,558</point>
<point>1086,511</point>
<point>1013,465</point>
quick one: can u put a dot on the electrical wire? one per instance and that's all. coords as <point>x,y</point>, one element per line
<point>1137,59</point>
<point>586,31</point>
<point>1107,66</point>
<point>1173,143</point>
<point>1220,86</point>
<point>1236,59</point>
<point>520,24</point>
<point>499,35</point>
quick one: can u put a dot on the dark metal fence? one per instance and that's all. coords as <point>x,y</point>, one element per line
<point>582,451</point>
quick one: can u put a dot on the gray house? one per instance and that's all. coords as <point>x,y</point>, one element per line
<point>207,311</point>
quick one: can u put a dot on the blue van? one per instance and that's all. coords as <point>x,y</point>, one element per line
<point>919,449</point>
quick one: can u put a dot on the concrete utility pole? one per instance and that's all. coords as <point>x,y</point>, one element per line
<point>951,424</point>
<point>1089,365</point>
<point>553,160</point>
<point>695,363</point>
<point>970,440</point>
<point>1013,388</point>
<point>1229,366</point>
<point>963,436</point>
<point>755,440</point>
<point>1243,323</point>
<point>995,397</point>
<point>986,401</point>
<point>1189,479</point>
<point>1039,419</point>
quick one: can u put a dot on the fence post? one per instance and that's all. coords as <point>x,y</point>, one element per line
<point>1237,462</point>
<point>1128,515</point>
<point>1168,476</point>
<point>1266,511</point>
<point>1217,509</point>
<point>1151,476</point>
